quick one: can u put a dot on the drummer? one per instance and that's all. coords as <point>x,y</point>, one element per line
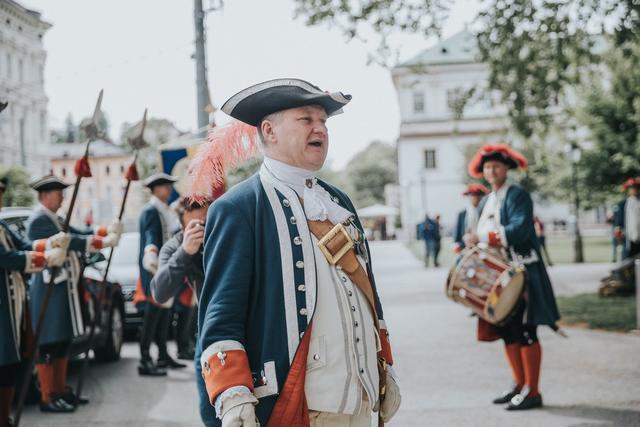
<point>468,217</point>
<point>506,222</point>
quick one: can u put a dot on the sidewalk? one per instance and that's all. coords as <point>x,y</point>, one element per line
<point>449,379</point>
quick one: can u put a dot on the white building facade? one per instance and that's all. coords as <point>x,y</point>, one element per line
<point>435,144</point>
<point>24,130</point>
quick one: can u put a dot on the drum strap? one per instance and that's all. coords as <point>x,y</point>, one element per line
<point>337,247</point>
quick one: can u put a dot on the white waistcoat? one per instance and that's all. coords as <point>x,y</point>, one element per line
<point>342,361</point>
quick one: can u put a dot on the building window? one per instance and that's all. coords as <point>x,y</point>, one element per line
<point>20,70</point>
<point>63,172</point>
<point>418,102</point>
<point>121,168</point>
<point>107,169</point>
<point>430,159</point>
<point>454,98</point>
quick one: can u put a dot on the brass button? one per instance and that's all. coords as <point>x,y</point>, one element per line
<point>303,311</point>
<point>316,357</point>
<point>293,220</point>
<point>286,203</point>
<point>300,264</point>
<point>297,240</point>
<point>302,288</point>
<point>353,308</point>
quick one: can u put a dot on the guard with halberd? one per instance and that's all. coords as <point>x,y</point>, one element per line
<point>18,258</point>
<point>506,224</point>
<point>291,329</point>
<point>158,222</point>
<point>63,318</point>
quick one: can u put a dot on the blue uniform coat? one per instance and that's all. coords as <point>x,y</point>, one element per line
<point>461,225</point>
<point>258,251</point>
<point>516,216</point>
<point>63,319</point>
<point>153,231</point>
<point>12,258</point>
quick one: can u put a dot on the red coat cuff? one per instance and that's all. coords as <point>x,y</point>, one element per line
<point>102,231</point>
<point>40,245</point>
<point>494,239</point>
<point>226,369</point>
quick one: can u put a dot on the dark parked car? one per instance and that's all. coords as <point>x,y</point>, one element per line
<point>110,313</point>
<point>124,270</point>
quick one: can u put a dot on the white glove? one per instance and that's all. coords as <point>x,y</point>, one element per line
<point>392,398</point>
<point>59,240</point>
<point>150,261</point>
<point>116,227</point>
<point>239,411</point>
<point>111,240</point>
<point>55,257</point>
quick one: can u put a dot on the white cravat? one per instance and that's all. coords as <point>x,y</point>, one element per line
<point>318,205</point>
<point>632,219</point>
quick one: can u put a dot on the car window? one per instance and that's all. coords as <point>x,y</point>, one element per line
<point>127,251</point>
<point>17,225</point>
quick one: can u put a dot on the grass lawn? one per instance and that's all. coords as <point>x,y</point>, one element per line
<point>596,249</point>
<point>593,311</point>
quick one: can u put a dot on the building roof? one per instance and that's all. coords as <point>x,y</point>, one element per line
<point>34,15</point>
<point>98,148</point>
<point>461,48</point>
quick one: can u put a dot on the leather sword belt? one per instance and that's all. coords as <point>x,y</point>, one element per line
<point>338,248</point>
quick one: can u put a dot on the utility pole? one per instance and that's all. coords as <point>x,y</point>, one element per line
<point>202,87</point>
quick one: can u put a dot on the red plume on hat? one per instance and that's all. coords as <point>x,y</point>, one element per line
<point>226,147</point>
<point>500,152</point>
<point>477,189</point>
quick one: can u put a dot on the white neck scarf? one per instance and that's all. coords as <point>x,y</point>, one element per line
<point>318,205</point>
<point>632,220</point>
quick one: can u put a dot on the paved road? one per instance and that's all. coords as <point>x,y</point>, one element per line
<point>447,378</point>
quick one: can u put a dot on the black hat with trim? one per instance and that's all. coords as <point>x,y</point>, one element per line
<point>49,183</point>
<point>254,103</point>
<point>159,179</point>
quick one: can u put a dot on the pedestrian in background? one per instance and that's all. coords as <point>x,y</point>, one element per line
<point>431,236</point>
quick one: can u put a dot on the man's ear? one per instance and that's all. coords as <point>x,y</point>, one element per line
<point>268,134</point>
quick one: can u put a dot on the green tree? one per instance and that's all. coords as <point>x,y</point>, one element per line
<point>370,170</point>
<point>612,114</point>
<point>18,192</point>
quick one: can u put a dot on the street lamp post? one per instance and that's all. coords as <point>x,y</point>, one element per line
<point>575,154</point>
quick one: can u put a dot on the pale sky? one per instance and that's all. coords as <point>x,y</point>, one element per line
<point>139,52</point>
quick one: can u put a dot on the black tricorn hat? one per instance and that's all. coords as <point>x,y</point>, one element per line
<point>48,183</point>
<point>256,102</point>
<point>159,179</point>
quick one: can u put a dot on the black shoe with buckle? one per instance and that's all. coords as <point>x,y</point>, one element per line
<point>167,362</point>
<point>147,368</point>
<point>506,396</point>
<point>522,402</point>
<point>57,405</point>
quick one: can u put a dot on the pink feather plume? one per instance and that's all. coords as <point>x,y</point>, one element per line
<point>226,147</point>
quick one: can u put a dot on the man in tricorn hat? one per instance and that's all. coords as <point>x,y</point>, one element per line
<point>627,218</point>
<point>18,257</point>
<point>158,222</point>
<point>468,218</point>
<point>291,330</point>
<point>63,319</point>
<point>506,222</point>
